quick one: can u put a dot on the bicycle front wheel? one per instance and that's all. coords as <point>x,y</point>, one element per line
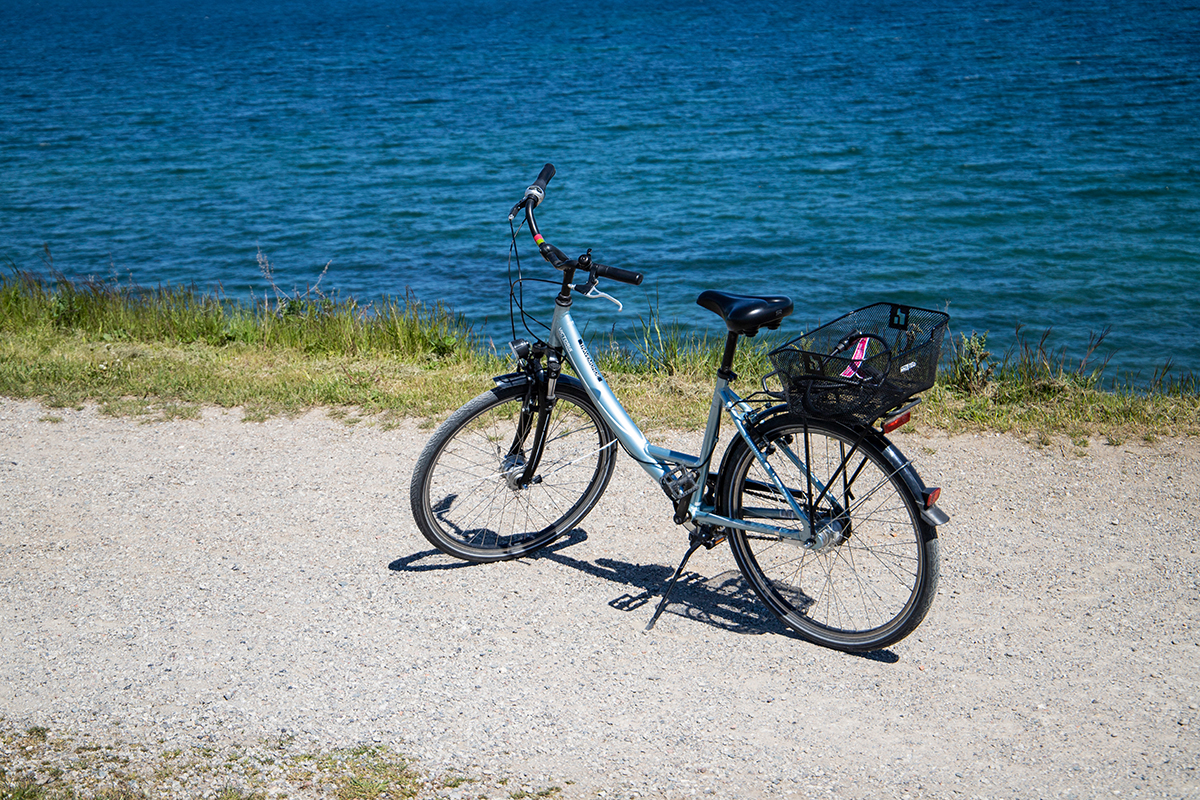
<point>464,495</point>
<point>870,576</point>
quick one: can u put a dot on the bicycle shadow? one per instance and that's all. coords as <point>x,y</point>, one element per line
<point>724,601</point>
<point>441,561</point>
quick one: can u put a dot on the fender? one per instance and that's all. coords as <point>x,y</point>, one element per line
<point>510,379</point>
<point>521,378</point>
<point>932,516</point>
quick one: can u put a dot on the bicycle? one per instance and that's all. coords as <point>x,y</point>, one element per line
<point>828,521</point>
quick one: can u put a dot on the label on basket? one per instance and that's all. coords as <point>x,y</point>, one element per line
<point>860,350</point>
<point>908,366</point>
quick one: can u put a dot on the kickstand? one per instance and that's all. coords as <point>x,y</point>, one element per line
<point>696,542</point>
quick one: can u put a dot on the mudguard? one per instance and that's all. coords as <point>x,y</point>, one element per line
<point>932,516</point>
<point>520,378</point>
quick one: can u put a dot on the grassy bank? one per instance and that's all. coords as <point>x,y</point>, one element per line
<point>167,352</point>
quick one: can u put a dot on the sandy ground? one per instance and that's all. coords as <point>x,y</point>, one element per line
<point>221,581</point>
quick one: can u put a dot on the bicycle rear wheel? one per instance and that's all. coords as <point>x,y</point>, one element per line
<point>872,580</point>
<point>464,494</point>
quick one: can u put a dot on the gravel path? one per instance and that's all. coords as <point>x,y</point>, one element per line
<point>219,581</point>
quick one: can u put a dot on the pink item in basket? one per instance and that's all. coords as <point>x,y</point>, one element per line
<point>859,351</point>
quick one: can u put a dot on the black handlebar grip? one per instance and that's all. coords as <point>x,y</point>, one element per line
<point>536,192</point>
<point>544,177</point>
<point>618,274</point>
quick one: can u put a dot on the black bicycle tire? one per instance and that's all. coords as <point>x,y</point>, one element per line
<point>430,514</point>
<point>876,541</point>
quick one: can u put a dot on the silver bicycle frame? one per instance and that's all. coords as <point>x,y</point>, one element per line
<point>659,461</point>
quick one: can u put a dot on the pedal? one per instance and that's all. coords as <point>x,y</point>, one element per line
<point>706,535</point>
<point>679,483</point>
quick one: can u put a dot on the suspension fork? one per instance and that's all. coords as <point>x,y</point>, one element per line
<point>536,410</point>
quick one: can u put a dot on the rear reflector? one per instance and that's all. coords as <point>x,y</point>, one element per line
<point>890,425</point>
<point>932,495</point>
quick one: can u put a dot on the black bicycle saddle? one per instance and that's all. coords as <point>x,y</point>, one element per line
<point>745,315</point>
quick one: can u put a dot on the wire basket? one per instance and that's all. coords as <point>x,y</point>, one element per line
<point>861,365</point>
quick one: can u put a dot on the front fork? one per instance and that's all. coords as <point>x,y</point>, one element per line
<point>520,469</point>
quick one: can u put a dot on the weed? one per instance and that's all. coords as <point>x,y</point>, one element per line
<point>454,780</point>
<point>22,790</point>
<point>366,772</point>
<point>122,791</point>
<point>521,794</point>
<point>970,367</point>
<point>281,742</point>
<point>229,792</point>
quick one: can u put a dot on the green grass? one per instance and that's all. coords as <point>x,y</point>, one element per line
<point>39,764</point>
<point>164,354</point>
<point>161,354</point>
<point>1034,390</point>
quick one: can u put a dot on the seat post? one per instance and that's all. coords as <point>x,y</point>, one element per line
<point>726,371</point>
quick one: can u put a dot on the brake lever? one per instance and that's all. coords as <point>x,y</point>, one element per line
<point>534,194</point>
<point>517,208</point>
<point>590,291</point>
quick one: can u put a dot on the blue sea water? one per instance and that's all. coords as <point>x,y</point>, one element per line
<point>1031,162</point>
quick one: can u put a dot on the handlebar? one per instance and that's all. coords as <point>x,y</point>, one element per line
<point>543,178</point>
<point>618,274</point>
<point>534,195</point>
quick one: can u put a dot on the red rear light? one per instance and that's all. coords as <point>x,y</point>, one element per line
<point>932,495</point>
<point>896,422</point>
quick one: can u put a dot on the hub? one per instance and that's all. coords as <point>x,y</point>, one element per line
<point>513,467</point>
<point>828,532</point>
